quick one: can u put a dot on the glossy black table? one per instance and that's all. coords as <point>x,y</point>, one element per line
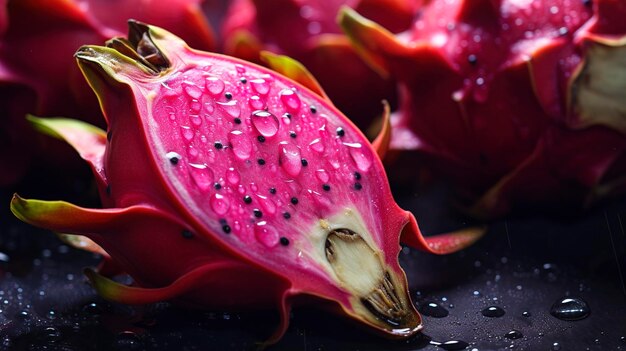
<point>522,266</point>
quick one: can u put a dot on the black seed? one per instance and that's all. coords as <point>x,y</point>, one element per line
<point>217,186</point>
<point>357,175</point>
<point>472,59</point>
<point>294,200</point>
<point>223,221</point>
<point>358,186</point>
<point>218,145</point>
<point>286,215</point>
<point>587,2</point>
<point>257,213</point>
<point>284,241</point>
<point>261,161</point>
<point>340,132</point>
<point>187,234</point>
<point>228,96</point>
<point>304,162</point>
<point>260,138</point>
<point>226,228</point>
<point>173,157</point>
<point>288,115</point>
<point>107,190</point>
<point>237,120</point>
<point>313,109</point>
<point>292,134</point>
<point>326,187</point>
<point>272,190</point>
<point>109,135</point>
<point>243,80</point>
<point>247,199</point>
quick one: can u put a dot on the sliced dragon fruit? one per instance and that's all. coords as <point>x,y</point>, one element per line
<point>520,103</point>
<point>227,185</point>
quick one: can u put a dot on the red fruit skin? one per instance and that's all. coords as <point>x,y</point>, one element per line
<point>488,92</point>
<point>307,31</point>
<point>37,41</point>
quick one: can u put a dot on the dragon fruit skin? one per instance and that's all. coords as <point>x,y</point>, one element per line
<point>315,39</point>
<point>519,103</point>
<point>226,185</point>
<point>55,29</point>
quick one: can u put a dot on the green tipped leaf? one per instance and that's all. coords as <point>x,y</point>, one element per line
<point>293,69</point>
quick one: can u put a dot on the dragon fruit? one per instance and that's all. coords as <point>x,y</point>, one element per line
<point>30,29</point>
<point>227,185</point>
<point>520,103</point>
<point>315,39</point>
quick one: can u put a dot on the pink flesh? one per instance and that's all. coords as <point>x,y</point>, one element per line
<point>191,113</point>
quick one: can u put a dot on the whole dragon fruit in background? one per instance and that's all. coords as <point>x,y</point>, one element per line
<point>37,71</point>
<point>227,185</point>
<point>520,103</point>
<point>307,31</point>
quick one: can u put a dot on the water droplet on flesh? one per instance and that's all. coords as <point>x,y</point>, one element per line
<point>201,175</point>
<point>214,85</point>
<point>261,86</point>
<point>256,103</point>
<point>231,107</point>
<point>267,204</point>
<point>362,161</point>
<point>289,159</point>
<point>266,234</point>
<point>322,175</point>
<point>233,176</point>
<point>265,123</point>
<point>317,145</point>
<point>241,144</point>
<point>290,99</point>
<point>219,204</point>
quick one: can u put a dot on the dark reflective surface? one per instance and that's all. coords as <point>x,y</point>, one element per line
<point>523,266</point>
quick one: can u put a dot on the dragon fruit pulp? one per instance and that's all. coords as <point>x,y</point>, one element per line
<point>315,39</point>
<point>226,185</point>
<point>520,103</point>
<point>55,29</point>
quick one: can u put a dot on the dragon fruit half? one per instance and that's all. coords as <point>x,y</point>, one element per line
<point>521,103</point>
<point>308,31</point>
<point>227,185</point>
<point>38,75</point>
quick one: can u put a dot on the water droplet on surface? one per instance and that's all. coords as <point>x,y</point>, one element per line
<point>128,340</point>
<point>290,99</point>
<point>556,346</point>
<point>513,334</point>
<point>433,309</point>
<point>231,107</point>
<point>493,312</point>
<point>214,85</point>
<point>201,175</point>
<point>260,85</point>
<point>192,90</point>
<point>266,234</point>
<point>452,345</point>
<point>241,144</point>
<point>265,123</point>
<point>219,204</point>
<point>289,159</point>
<point>570,309</point>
